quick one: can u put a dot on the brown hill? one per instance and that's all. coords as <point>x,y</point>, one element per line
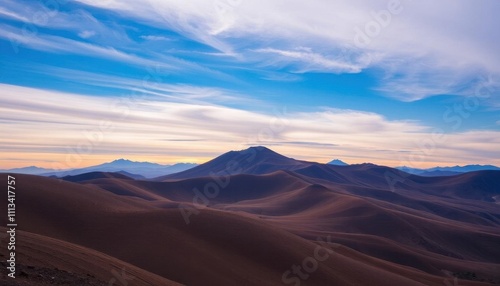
<point>47,261</point>
<point>221,247</point>
<point>254,160</point>
<point>246,217</point>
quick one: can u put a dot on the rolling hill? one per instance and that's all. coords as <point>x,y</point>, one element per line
<point>252,217</point>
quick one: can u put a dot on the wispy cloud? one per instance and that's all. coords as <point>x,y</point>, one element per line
<point>86,34</point>
<point>36,15</point>
<point>216,52</point>
<point>141,126</point>
<point>414,34</point>
<point>105,40</point>
<point>56,44</point>
<point>283,77</point>
<point>5,13</point>
<point>155,38</point>
<point>154,85</point>
<point>307,61</point>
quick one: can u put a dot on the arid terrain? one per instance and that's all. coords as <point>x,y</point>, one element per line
<point>255,217</point>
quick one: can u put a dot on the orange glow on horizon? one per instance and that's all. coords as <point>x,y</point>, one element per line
<point>59,161</point>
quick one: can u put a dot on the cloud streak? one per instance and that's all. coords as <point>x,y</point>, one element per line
<point>307,61</point>
<point>56,44</point>
<point>208,70</point>
<point>42,125</point>
<point>153,84</point>
<point>447,37</point>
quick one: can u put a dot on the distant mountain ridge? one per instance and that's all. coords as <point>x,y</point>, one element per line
<point>254,160</point>
<point>130,168</point>
<point>31,170</point>
<point>448,171</point>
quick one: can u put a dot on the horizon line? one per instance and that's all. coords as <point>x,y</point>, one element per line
<point>81,166</point>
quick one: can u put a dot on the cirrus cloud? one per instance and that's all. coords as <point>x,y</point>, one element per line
<point>42,126</point>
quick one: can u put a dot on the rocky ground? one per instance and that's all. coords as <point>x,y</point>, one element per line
<point>30,275</point>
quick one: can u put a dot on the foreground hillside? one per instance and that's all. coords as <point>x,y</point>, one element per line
<point>269,220</point>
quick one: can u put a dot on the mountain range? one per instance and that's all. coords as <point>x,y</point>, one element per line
<point>435,171</point>
<point>256,217</point>
<point>138,170</point>
<point>127,167</point>
<point>447,171</point>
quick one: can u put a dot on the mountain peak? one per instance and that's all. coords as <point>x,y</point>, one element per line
<point>261,150</point>
<point>253,160</point>
<point>259,147</point>
<point>121,160</point>
<point>337,162</point>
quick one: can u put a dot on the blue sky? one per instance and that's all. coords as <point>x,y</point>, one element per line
<point>366,81</point>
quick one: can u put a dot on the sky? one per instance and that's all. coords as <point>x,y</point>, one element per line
<point>395,83</point>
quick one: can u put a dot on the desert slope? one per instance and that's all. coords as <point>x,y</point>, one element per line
<point>65,259</point>
<point>218,246</point>
<point>248,216</point>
